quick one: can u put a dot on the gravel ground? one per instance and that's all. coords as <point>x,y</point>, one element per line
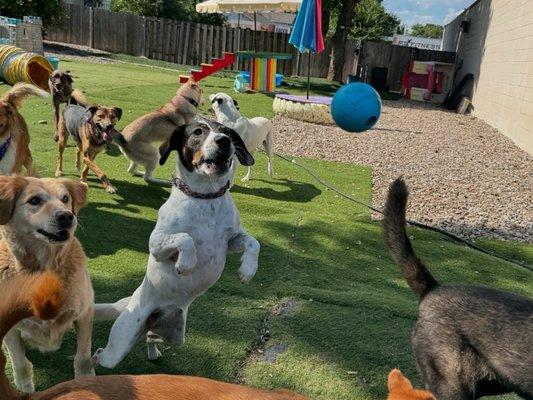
<point>77,53</point>
<point>463,175</point>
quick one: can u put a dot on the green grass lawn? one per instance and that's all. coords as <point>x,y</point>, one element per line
<point>353,313</point>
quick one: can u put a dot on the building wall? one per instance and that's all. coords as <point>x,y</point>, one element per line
<point>498,50</point>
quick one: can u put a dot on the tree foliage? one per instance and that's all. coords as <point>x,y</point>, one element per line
<point>427,30</point>
<point>372,21</point>
<point>51,11</point>
<point>183,10</point>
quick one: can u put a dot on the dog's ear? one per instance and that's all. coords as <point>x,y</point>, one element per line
<point>173,143</point>
<point>236,104</point>
<point>10,188</point>
<point>92,109</point>
<point>242,153</point>
<point>78,193</point>
<point>118,112</point>
<point>398,382</point>
<point>69,76</point>
<point>212,97</point>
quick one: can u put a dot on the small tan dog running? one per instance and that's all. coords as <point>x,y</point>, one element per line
<point>14,137</point>
<point>136,139</point>
<point>41,296</point>
<point>400,388</point>
<point>38,221</point>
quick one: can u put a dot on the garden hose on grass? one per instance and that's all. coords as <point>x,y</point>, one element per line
<point>17,65</point>
<point>413,223</point>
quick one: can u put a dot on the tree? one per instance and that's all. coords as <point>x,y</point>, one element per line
<point>371,21</point>
<point>342,29</point>
<point>427,30</point>
<point>51,11</point>
<point>183,10</point>
<point>361,19</point>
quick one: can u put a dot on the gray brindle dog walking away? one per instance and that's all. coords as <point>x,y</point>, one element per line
<point>195,229</point>
<point>469,341</point>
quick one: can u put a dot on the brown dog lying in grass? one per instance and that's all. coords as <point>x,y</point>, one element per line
<point>400,388</point>
<point>41,296</point>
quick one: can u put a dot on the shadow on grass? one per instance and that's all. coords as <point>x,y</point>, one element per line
<point>298,192</point>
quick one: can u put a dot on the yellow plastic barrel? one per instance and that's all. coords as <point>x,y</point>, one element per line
<point>17,65</point>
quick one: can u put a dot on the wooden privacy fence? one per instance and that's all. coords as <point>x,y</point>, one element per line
<point>396,58</point>
<point>181,42</point>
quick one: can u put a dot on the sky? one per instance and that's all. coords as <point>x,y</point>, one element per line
<point>426,11</point>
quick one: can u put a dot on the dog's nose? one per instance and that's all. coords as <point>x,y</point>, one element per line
<point>64,219</point>
<point>222,141</point>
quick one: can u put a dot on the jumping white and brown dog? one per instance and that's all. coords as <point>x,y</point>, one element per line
<point>196,228</point>
<point>253,131</point>
<point>38,221</point>
<point>14,137</point>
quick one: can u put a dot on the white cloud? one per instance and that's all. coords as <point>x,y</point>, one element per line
<point>452,13</point>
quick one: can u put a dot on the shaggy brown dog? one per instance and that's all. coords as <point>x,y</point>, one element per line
<point>136,139</point>
<point>41,296</point>
<point>60,84</point>
<point>469,341</point>
<point>38,221</point>
<point>400,388</point>
<point>14,137</point>
<point>93,128</point>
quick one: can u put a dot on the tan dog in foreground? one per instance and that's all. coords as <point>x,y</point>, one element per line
<point>136,139</point>
<point>400,388</point>
<point>14,137</point>
<point>41,296</point>
<point>38,221</point>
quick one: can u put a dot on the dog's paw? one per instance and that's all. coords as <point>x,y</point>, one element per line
<point>186,261</point>
<point>247,270</point>
<point>245,179</point>
<point>58,173</point>
<point>95,360</point>
<point>84,368</point>
<point>153,352</point>
<point>27,387</point>
<point>110,189</point>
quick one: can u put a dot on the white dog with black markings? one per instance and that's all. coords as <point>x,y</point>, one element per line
<point>195,229</point>
<point>253,131</point>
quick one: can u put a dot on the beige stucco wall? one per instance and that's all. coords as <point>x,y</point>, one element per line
<point>498,50</point>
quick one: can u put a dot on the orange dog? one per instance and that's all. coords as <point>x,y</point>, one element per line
<point>400,388</point>
<point>41,296</point>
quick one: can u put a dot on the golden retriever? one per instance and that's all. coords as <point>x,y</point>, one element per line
<point>14,137</point>
<point>38,221</point>
<point>41,296</point>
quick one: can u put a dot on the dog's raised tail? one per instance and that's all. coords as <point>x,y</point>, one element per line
<point>25,296</point>
<point>418,277</point>
<point>20,91</point>
<point>78,98</point>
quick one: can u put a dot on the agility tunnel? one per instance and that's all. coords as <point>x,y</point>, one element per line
<point>17,65</point>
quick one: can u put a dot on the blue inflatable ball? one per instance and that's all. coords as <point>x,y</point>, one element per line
<point>356,107</point>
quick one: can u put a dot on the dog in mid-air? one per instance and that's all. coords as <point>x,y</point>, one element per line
<point>38,219</point>
<point>93,128</point>
<point>15,151</point>
<point>135,140</point>
<point>253,131</point>
<point>196,228</point>
<point>41,296</point>
<point>60,84</point>
<point>469,341</point>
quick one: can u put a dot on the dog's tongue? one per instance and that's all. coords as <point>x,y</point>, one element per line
<point>108,134</point>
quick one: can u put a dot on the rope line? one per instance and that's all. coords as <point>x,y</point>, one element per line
<point>410,222</point>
